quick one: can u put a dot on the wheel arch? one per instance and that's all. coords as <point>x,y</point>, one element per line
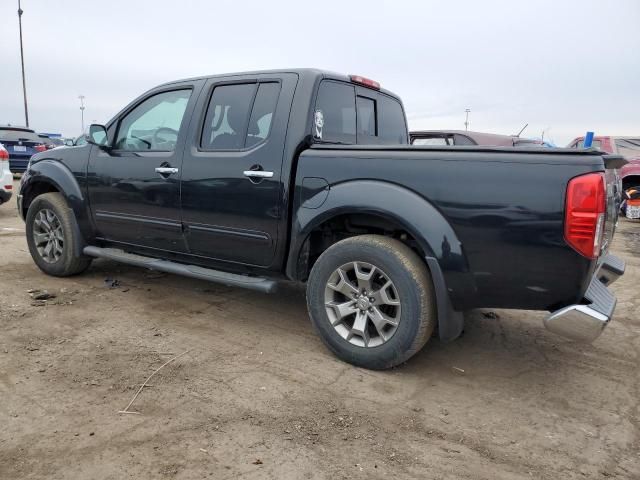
<point>403,211</point>
<point>52,176</point>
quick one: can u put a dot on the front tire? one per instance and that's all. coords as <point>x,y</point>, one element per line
<point>51,238</point>
<point>371,299</point>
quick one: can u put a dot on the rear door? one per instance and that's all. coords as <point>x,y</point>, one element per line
<point>134,187</point>
<point>232,195</point>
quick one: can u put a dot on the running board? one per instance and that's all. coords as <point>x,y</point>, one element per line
<point>201,273</point>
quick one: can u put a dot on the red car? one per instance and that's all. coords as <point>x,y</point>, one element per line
<point>628,147</point>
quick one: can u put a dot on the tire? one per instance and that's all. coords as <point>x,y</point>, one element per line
<point>409,301</point>
<point>60,261</point>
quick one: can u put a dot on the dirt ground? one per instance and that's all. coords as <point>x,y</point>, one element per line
<point>258,396</point>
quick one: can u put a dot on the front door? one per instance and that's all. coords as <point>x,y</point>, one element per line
<point>231,178</point>
<point>134,186</point>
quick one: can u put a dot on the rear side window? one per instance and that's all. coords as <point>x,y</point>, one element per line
<point>262,113</point>
<point>225,125</point>
<point>335,116</point>
<point>239,116</point>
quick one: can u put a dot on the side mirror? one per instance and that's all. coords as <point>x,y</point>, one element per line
<point>98,136</point>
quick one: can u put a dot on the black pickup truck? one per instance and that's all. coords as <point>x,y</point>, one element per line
<point>303,175</point>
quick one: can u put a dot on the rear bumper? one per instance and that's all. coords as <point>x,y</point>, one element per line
<point>18,165</point>
<point>584,322</point>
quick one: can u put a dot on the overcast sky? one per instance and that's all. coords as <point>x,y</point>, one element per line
<point>562,66</point>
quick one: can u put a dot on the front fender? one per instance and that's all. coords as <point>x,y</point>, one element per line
<point>58,175</point>
<point>401,205</point>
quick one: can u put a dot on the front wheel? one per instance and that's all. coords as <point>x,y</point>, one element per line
<point>51,237</point>
<point>371,299</point>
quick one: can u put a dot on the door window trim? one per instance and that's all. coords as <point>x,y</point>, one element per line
<point>207,102</point>
<point>121,117</point>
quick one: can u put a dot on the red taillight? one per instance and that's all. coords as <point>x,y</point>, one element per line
<point>8,187</point>
<point>367,82</point>
<point>40,148</point>
<point>4,155</point>
<point>584,214</point>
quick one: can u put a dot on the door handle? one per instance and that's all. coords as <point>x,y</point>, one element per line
<point>166,170</point>
<point>257,174</point>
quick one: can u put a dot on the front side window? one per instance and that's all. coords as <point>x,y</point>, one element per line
<point>153,124</point>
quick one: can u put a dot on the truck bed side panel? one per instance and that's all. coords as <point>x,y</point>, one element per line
<point>506,208</point>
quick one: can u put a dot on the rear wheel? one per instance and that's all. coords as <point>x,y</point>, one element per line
<point>51,237</point>
<point>371,299</point>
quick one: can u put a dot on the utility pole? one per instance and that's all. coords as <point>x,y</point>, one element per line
<point>81,97</point>
<point>466,121</point>
<point>24,83</point>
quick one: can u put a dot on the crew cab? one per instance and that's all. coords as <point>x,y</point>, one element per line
<point>303,175</point>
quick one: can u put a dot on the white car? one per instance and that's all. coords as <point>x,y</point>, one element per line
<point>6,178</point>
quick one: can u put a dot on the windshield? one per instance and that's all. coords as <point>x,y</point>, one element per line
<point>628,147</point>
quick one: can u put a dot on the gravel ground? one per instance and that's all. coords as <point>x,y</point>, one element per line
<point>258,396</point>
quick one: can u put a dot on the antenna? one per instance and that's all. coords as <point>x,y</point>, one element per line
<point>522,130</point>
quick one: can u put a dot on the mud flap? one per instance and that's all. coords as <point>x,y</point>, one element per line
<point>450,321</point>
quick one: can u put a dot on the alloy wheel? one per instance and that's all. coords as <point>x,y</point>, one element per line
<point>48,235</point>
<point>362,304</point>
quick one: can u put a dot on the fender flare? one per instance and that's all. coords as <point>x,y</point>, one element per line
<point>62,179</point>
<point>443,250</point>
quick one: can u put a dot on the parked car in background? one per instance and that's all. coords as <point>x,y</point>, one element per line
<point>252,178</point>
<point>6,177</point>
<point>21,143</point>
<point>75,142</point>
<point>628,147</point>
<point>463,137</point>
<point>631,203</point>
<point>51,142</point>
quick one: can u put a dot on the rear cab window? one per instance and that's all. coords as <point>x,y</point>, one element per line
<point>350,114</point>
